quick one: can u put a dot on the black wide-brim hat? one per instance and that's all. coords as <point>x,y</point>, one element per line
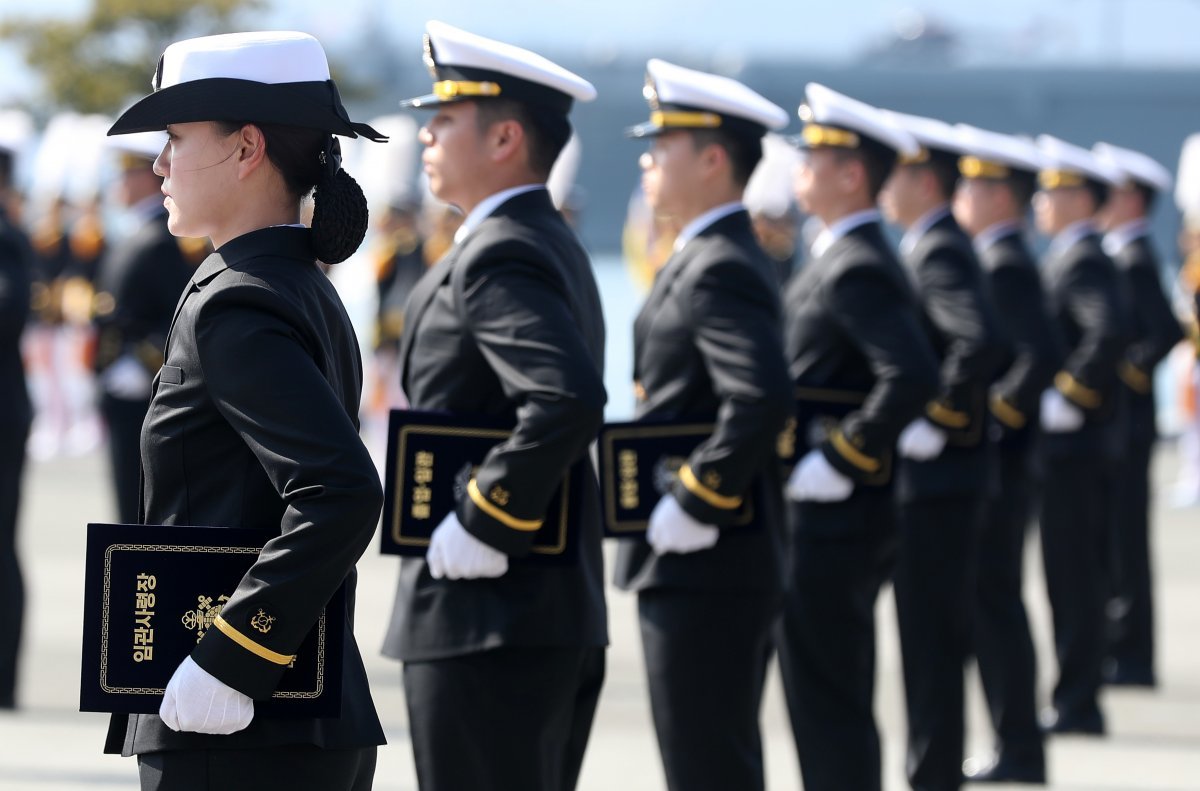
<point>244,77</point>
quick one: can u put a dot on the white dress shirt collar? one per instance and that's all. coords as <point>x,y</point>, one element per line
<point>842,226</point>
<point>488,205</point>
<point>693,228</point>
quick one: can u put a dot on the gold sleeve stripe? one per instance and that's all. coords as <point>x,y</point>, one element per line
<point>853,454</point>
<point>526,525</point>
<point>260,651</point>
<point>1076,391</point>
<point>715,499</point>
<point>1006,413</point>
<point>944,415</point>
<point>1135,377</point>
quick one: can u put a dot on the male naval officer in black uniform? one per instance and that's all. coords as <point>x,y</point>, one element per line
<point>138,283</point>
<point>708,347</point>
<point>1154,331</point>
<point>503,662</point>
<point>947,465</point>
<point>999,175</point>
<point>1079,422</point>
<point>852,328</point>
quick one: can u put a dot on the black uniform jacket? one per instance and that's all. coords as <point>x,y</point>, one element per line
<point>139,282</point>
<point>708,346</point>
<point>16,273</point>
<point>853,324</point>
<point>508,324</point>
<point>1083,289</point>
<point>1153,331</point>
<point>1035,353</point>
<point>253,423</point>
<point>960,321</point>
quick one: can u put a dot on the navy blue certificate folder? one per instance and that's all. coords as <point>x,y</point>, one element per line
<point>639,463</point>
<point>431,458</point>
<point>151,592</point>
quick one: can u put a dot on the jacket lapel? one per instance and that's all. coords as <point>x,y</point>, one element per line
<point>418,302</point>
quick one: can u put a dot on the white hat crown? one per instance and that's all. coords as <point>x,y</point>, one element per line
<point>826,106</point>
<point>1135,166</point>
<point>1058,154</point>
<point>1011,150</point>
<point>271,57</point>
<point>452,46</point>
<point>931,133</point>
<point>678,85</point>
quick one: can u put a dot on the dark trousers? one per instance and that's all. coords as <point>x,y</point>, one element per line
<point>513,717</point>
<point>706,658</point>
<point>1003,643</point>
<point>124,420</point>
<point>1131,611</point>
<point>297,768</point>
<point>840,555</point>
<point>12,587</point>
<point>1075,531</point>
<point>935,603</point>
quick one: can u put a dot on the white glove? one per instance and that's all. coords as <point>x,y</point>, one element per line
<point>921,440</point>
<point>197,701</point>
<point>672,529</point>
<point>1059,415</point>
<point>814,478</point>
<point>456,554</point>
<point>127,379</point>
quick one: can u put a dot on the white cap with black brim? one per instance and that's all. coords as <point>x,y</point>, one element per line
<point>682,98</point>
<point>995,156</point>
<point>277,77</point>
<point>1136,166</point>
<point>834,120</point>
<point>469,67</point>
<point>1068,165</point>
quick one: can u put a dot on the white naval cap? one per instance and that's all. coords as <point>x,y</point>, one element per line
<point>1068,165</point>
<point>139,145</point>
<point>932,135</point>
<point>769,191</point>
<point>466,66</point>
<point>834,119</point>
<point>71,159</point>
<point>1187,179</point>
<point>682,98</point>
<point>16,130</point>
<point>387,174</point>
<point>277,77</point>
<point>1135,166</point>
<point>992,155</point>
<point>564,192</point>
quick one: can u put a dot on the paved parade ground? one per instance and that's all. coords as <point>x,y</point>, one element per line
<point>1154,740</point>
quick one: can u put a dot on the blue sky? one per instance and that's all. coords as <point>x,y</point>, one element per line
<point>1111,32</point>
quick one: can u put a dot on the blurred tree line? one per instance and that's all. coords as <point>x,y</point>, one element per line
<point>102,61</point>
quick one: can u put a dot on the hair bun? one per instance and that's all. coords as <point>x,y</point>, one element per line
<point>339,218</point>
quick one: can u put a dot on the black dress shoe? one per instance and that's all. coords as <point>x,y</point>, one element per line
<point>1084,724</point>
<point>1001,770</point>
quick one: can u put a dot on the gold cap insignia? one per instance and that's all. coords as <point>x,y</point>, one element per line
<point>499,495</point>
